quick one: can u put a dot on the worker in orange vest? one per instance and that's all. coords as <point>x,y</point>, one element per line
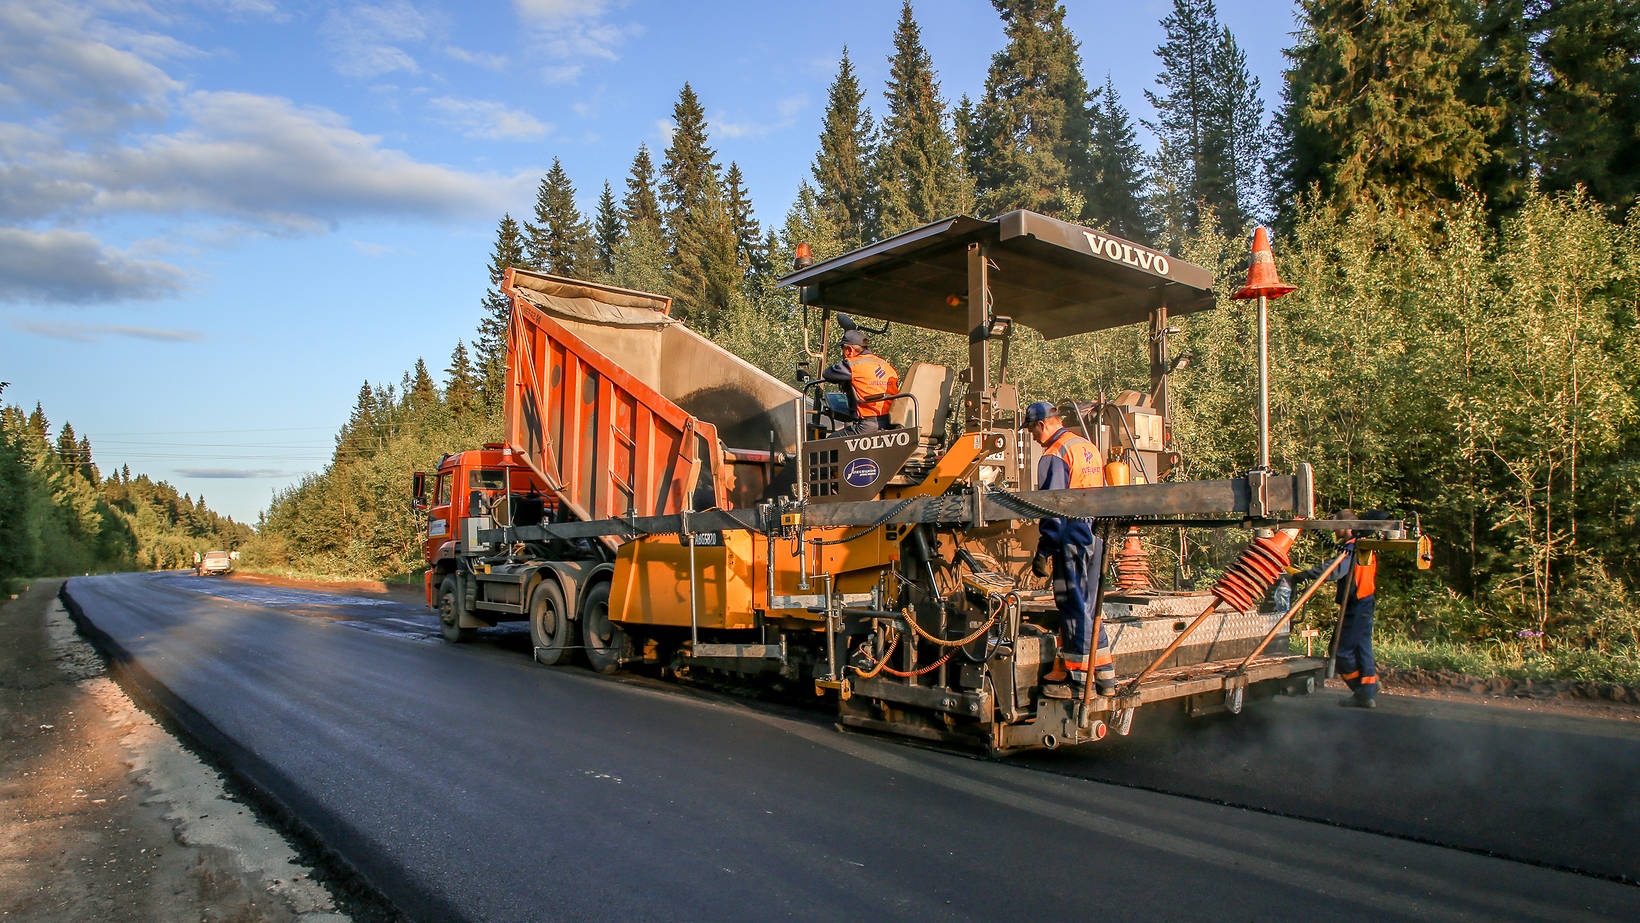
<point>1357,579</point>
<point>869,378</point>
<point>1068,549</point>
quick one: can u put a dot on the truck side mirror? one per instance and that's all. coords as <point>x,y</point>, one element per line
<point>418,489</point>
<point>802,374</point>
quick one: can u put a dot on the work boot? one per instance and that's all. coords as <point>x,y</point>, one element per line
<point>1358,701</point>
<point>1105,686</point>
<point>1058,674</point>
<point>1056,691</point>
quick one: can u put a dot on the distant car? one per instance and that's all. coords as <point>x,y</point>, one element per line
<point>215,562</point>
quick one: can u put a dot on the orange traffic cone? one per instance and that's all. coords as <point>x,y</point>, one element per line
<point>1261,272</point>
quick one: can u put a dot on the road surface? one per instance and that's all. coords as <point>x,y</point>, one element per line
<point>469,783</point>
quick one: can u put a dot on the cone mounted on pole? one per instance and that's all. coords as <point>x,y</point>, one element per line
<point>1261,272</point>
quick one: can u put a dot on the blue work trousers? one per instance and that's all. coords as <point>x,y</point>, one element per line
<point>1075,589</point>
<point>1354,664</point>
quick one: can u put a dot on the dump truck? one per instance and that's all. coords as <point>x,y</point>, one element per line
<point>660,501</point>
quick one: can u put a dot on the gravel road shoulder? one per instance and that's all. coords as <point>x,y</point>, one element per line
<point>104,815</point>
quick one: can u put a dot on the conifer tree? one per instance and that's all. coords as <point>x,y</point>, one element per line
<point>607,234</point>
<point>1211,116</point>
<point>68,448</point>
<point>421,392</point>
<point>918,167</point>
<point>1375,105</point>
<point>696,223</point>
<point>1590,113</point>
<point>1116,198</point>
<point>640,259</point>
<point>1243,142</point>
<point>87,469</point>
<point>1506,78</point>
<point>749,252</point>
<point>1033,126</point>
<point>559,241</point>
<point>358,437</point>
<point>841,167</point>
<point>460,386</point>
<point>491,342</point>
<point>639,202</point>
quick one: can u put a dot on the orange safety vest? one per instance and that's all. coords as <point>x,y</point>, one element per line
<point>1366,574</point>
<point>1080,456</point>
<point>873,378</point>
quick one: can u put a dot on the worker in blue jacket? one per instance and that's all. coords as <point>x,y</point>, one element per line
<point>1068,549</point>
<point>1357,579</point>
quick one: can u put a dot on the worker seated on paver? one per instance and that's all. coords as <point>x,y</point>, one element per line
<point>1068,549</point>
<point>869,378</point>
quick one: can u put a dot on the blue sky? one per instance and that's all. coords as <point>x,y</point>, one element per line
<point>219,217</point>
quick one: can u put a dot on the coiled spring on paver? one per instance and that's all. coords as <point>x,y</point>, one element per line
<point>1246,582</point>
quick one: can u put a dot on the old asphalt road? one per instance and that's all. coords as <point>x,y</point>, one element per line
<point>469,783</point>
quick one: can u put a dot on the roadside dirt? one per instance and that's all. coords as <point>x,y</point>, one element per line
<point>104,816</point>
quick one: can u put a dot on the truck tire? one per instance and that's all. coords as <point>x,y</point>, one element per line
<point>606,643</point>
<point>449,613</point>
<point>552,631</point>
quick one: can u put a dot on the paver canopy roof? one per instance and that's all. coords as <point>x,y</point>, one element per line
<point>1057,277</point>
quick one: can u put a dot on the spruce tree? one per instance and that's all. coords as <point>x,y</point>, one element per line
<point>1242,141</point>
<point>747,231</point>
<point>1506,78</point>
<point>460,385</point>
<point>358,436</point>
<point>1375,104</point>
<point>1590,112</point>
<point>421,392</point>
<point>918,168</point>
<point>607,234</point>
<point>1184,109</point>
<point>640,259</point>
<point>559,241</point>
<point>842,165</point>
<point>695,219</point>
<point>491,342</point>
<point>639,203</point>
<point>1116,197</point>
<point>1033,127</point>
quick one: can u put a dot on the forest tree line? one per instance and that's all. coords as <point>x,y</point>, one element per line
<point>1451,182</point>
<point>60,515</point>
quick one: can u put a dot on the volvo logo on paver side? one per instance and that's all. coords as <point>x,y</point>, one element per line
<point>862,472</point>
<point>881,441</point>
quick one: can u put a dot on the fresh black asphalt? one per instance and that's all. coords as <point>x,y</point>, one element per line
<point>469,783</point>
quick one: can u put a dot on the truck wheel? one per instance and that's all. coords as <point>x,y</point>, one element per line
<point>606,642</point>
<point>551,628</point>
<point>449,613</point>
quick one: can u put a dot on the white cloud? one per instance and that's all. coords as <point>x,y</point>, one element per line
<point>572,31</point>
<point>73,267</point>
<point>266,161</point>
<point>786,110</point>
<point>366,39</point>
<point>52,58</point>
<point>372,250</point>
<point>487,60</point>
<point>481,118</point>
<point>91,333</point>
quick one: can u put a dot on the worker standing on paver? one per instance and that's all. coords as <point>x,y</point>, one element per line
<point>1357,579</point>
<point>869,378</point>
<point>1070,551</point>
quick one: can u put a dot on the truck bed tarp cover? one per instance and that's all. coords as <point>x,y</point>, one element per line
<point>1057,277</point>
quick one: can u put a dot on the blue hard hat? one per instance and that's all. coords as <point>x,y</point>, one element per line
<point>1039,411</point>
